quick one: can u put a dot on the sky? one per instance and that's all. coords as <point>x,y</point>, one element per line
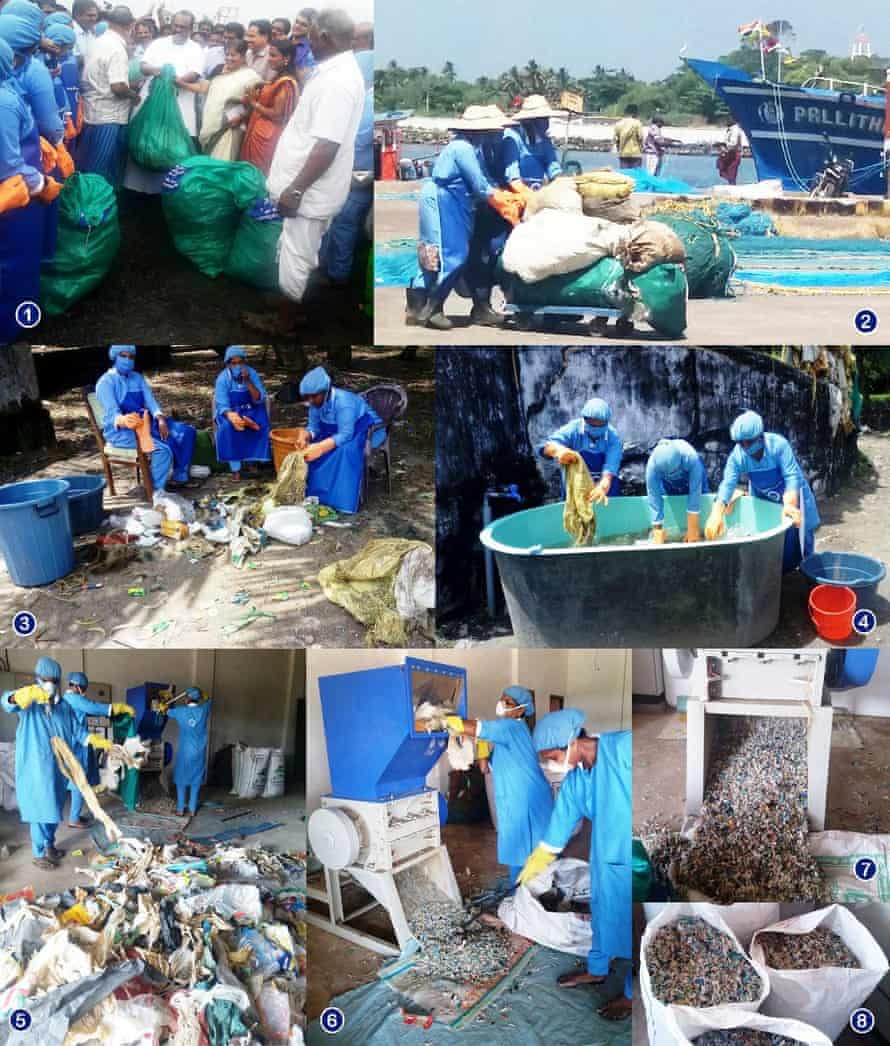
<point>645,36</point>
<point>244,10</point>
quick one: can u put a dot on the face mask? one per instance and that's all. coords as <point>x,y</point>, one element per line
<point>237,370</point>
<point>756,447</point>
<point>554,766</point>
<point>503,709</point>
<point>596,432</point>
<point>123,365</point>
<point>48,687</point>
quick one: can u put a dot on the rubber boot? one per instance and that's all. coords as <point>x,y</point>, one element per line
<point>433,316</point>
<point>483,315</point>
<point>415,300</point>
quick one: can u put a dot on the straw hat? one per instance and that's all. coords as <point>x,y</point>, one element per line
<point>481,118</point>
<point>535,107</point>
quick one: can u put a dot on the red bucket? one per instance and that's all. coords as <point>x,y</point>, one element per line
<point>832,608</point>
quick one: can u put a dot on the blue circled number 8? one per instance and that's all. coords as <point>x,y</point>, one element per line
<point>862,1021</point>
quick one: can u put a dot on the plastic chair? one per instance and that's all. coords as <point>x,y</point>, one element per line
<point>390,402</point>
<point>110,455</point>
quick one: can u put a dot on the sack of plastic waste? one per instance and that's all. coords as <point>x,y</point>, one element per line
<point>254,254</point>
<point>157,137</point>
<point>291,524</point>
<point>662,296</point>
<point>552,243</point>
<point>648,244</point>
<point>710,259</point>
<point>600,286</point>
<point>559,195</point>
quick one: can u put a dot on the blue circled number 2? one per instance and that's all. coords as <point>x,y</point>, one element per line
<point>865,869</point>
<point>866,321</point>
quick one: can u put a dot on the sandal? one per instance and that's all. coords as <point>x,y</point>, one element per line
<point>577,978</point>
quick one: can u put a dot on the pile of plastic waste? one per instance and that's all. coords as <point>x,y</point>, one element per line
<point>184,944</point>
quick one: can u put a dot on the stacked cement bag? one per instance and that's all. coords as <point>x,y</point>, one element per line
<point>824,997</point>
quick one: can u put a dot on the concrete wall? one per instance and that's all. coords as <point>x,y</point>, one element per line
<point>498,406</point>
<point>256,693</point>
<point>597,681</point>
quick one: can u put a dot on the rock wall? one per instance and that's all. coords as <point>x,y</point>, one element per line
<point>502,404</point>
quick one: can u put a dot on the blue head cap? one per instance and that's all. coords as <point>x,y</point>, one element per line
<point>100,28</point>
<point>21,35</point>
<point>57,18</point>
<point>25,10</point>
<point>748,425</point>
<point>7,60</point>
<point>115,350</point>
<point>60,34</point>
<point>78,679</point>
<point>46,668</point>
<point>668,456</point>
<point>558,729</point>
<point>235,350</point>
<point>522,696</point>
<point>596,409</point>
<point>316,381</point>
<point>193,693</point>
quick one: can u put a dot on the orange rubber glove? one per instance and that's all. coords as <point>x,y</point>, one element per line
<point>143,434</point>
<point>507,204</point>
<point>13,193</point>
<point>47,156</point>
<point>65,163</point>
<point>70,129</point>
<point>50,190</point>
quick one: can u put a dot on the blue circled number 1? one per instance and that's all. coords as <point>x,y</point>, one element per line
<point>28,314</point>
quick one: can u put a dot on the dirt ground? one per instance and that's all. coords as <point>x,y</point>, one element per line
<point>155,295</point>
<point>854,520</point>
<point>197,603</point>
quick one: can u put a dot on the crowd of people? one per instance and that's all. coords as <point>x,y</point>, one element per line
<point>292,97</point>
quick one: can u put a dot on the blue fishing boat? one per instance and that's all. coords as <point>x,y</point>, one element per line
<point>794,130</point>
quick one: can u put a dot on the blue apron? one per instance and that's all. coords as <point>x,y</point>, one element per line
<point>249,445</point>
<point>769,484</point>
<point>594,460</point>
<point>181,438</point>
<point>446,219</point>
<point>336,478</point>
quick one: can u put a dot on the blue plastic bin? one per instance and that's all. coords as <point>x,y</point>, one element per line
<point>35,531</point>
<point>859,667</point>
<point>850,569</point>
<point>85,502</point>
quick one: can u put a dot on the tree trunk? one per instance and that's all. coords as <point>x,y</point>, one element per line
<point>25,424</point>
<point>340,357</point>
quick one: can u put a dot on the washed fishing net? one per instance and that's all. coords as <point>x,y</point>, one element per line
<point>578,518</point>
<point>290,487</point>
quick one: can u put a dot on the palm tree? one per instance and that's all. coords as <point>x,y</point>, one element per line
<point>448,72</point>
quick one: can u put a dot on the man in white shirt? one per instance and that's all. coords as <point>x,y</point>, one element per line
<point>311,170</point>
<point>85,14</point>
<point>187,58</point>
<point>107,98</point>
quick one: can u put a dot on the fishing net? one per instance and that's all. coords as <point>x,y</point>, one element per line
<point>290,487</point>
<point>710,259</point>
<point>365,585</point>
<point>578,518</point>
<point>73,771</point>
<point>601,286</point>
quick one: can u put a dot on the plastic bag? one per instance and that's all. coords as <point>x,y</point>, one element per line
<point>139,1021</point>
<point>274,1007</point>
<point>662,292</point>
<point>836,854</point>
<point>602,286</point>
<point>203,200</point>
<point>254,254</point>
<point>274,775</point>
<point>710,260</point>
<point>157,137</point>
<point>291,524</point>
<point>266,957</point>
<point>7,776</point>
<point>552,243</point>
<point>744,918</point>
<point>239,901</point>
<point>254,769</point>
<point>825,997</point>
<point>658,1025</point>
<point>524,914</point>
<point>88,240</point>
<point>688,1024</point>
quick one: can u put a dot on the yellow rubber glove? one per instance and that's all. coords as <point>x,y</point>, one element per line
<point>567,457</point>
<point>693,528</point>
<point>454,724</point>
<point>27,695</point>
<point>121,708</point>
<point>483,750</point>
<point>538,860</point>
<point>598,495</point>
<point>658,535</point>
<point>716,525</point>
<point>793,513</point>
<point>95,741</point>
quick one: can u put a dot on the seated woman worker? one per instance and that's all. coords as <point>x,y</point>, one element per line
<point>239,409</point>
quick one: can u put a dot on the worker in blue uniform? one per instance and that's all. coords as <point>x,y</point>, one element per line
<point>191,752</point>
<point>124,396</point>
<point>334,442</point>
<point>461,178</point>
<point>21,227</point>
<point>22,31</point>
<point>529,154</point>
<point>40,787</point>
<point>82,706</point>
<point>592,438</point>
<point>522,796</point>
<point>675,468</point>
<point>766,462</point>
<point>63,37</point>
<point>240,412</point>
<point>69,72</point>
<point>597,786</point>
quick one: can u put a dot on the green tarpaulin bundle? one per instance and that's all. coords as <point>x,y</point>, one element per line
<point>157,137</point>
<point>601,286</point>
<point>710,260</point>
<point>254,254</point>
<point>88,240</point>
<point>662,291</point>
<point>203,201</point>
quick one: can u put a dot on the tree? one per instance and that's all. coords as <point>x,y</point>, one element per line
<point>448,72</point>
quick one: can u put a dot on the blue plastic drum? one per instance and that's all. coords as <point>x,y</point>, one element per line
<point>85,503</point>
<point>35,531</point>
<point>848,569</point>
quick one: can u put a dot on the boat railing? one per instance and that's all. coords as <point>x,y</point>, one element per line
<point>829,83</point>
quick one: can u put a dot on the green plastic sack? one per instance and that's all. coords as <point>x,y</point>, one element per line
<point>662,291</point>
<point>88,240</point>
<point>158,138</point>
<point>122,727</point>
<point>601,286</point>
<point>254,255</point>
<point>203,200</point>
<point>710,260</point>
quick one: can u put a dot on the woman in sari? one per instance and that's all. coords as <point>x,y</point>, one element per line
<point>224,115</point>
<point>271,106</point>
